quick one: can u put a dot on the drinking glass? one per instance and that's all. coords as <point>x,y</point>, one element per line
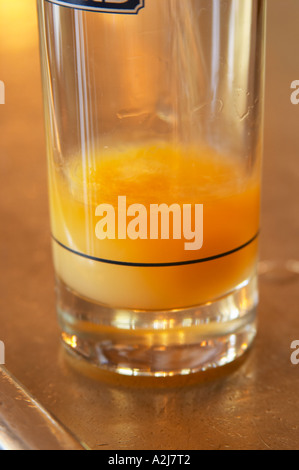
<point>153,114</point>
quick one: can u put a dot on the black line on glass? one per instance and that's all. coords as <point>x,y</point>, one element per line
<point>158,265</point>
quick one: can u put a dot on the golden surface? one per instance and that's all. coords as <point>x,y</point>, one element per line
<point>250,405</point>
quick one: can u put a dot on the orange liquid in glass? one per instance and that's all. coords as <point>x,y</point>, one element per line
<point>155,174</point>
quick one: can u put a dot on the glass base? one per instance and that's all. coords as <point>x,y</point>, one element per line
<point>159,343</point>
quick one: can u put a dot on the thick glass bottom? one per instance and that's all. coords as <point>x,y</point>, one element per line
<point>159,343</point>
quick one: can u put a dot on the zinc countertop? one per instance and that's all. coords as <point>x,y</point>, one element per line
<point>251,404</point>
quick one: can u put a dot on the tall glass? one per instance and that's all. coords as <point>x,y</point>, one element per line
<point>154,134</point>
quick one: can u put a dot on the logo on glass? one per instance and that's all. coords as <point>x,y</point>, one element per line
<point>111,6</point>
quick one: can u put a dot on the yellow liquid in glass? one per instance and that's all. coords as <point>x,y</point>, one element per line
<point>154,174</point>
